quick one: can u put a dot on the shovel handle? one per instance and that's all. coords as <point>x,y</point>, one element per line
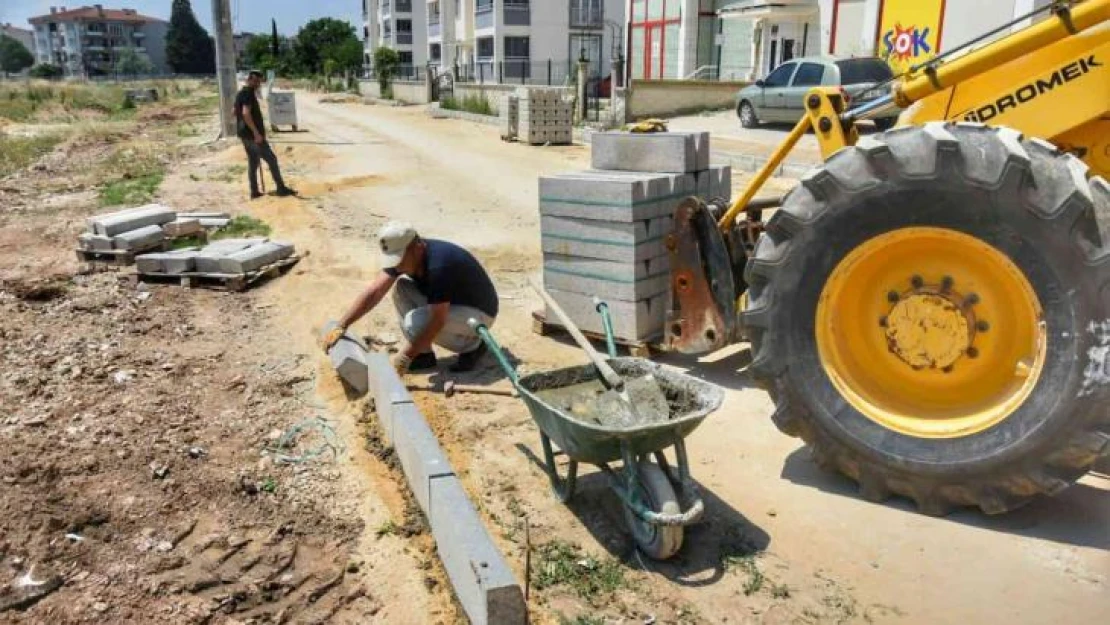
<point>611,378</point>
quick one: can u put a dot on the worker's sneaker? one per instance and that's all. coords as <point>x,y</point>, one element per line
<point>469,360</point>
<point>423,362</point>
<point>285,192</point>
<point>255,196</point>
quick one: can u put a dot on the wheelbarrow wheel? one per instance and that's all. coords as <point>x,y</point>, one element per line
<point>658,542</point>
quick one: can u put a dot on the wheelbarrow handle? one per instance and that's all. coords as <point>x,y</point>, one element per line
<point>487,337</point>
<point>607,323</point>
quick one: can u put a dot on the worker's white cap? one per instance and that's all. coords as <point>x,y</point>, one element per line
<point>395,238</point>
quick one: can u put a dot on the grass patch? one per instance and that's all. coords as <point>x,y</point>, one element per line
<point>243,226</point>
<point>389,528</point>
<point>195,240</point>
<point>16,153</point>
<point>562,564</point>
<point>230,174</point>
<point>47,101</point>
<point>469,103</point>
<point>138,190</point>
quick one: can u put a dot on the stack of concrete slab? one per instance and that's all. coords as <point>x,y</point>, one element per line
<point>230,257</point>
<point>510,116</point>
<point>544,116</point>
<point>131,230</point>
<point>603,229</point>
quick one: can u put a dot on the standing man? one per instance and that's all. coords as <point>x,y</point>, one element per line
<point>252,130</point>
<point>439,288</point>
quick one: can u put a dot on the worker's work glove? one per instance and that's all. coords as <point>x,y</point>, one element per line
<point>331,338</point>
<point>401,363</point>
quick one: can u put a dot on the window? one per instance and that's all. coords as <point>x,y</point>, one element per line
<point>809,75</point>
<point>780,77</point>
<point>404,26</point>
<point>517,47</point>
<point>406,58</point>
<point>485,48</point>
<point>586,14</point>
<point>435,51</point>
<point>856,71</point>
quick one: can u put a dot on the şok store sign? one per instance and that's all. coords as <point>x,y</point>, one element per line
<point>910,32</point>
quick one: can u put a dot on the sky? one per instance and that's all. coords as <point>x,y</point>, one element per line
<point>248,15</point>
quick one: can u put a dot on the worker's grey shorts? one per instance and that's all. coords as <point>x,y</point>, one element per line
<point>456,336</point>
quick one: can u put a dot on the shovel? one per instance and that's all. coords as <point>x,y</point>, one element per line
<point>624,404</point>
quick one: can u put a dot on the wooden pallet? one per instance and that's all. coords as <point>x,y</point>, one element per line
<point>119,258</point>
<point>637,349</point>
<point>234,282</point>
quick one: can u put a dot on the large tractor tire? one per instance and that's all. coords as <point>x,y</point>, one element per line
<point>930,311</point>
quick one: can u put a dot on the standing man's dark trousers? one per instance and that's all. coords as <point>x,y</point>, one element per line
<point>255,155</point>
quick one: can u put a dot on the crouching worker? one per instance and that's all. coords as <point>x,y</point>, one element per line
<point>437,288</point>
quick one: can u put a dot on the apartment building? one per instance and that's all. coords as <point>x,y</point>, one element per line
<point>397,24</point>
<point>524,40</point>
<point>87,41</point>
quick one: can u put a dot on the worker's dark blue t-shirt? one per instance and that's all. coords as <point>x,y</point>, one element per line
<point>452,275</point>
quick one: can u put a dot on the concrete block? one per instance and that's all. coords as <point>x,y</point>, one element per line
<point>255,257</point>
<point>95,242</point>
<point>482,579</point>
<point>214,222</point>
<point>133,219</point>
<point>634,321</point>
<point>714,182</point>
<point>183,227</point>
<point>625,242</point>
<point>141,238</point>
<point>204,215</point>
<point>348,357</point>
<point>605,269</point>
<point>390,395</point>
<point>208,259</point>
<point>674,152</point>
<point>613,196</point>
<point>422,459</point>
<point>176,262</point>
<point>607,289</point>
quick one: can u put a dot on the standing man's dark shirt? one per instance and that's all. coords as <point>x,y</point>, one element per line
<point>248,97</point>
<point>452,275</point>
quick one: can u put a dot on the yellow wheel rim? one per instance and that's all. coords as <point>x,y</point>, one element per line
<point>931,333</point>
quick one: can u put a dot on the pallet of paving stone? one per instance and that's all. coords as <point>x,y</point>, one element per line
<point>233,282</point>
<point>543,326</point>
<point>120,258</point>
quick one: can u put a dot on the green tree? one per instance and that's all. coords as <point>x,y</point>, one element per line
<point>131,63</point>
<point>46,70</point>
<point>318,41</point>
<point>189,49</point>
<point>347,55</point>
<point>14,56</point>
<point>275,41</point>
<point>386,62</point>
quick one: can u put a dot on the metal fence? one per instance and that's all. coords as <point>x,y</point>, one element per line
<point>515,72</point>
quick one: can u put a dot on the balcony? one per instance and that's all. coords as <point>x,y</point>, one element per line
<point>404,38</point>
<point>434,28</point>
<point>404,6</point>
<point>517,13</point>
<point>484,16</point>
<point>387,8</point>
<point>139,34</point>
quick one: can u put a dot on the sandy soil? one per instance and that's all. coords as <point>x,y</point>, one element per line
<point>782,541</point>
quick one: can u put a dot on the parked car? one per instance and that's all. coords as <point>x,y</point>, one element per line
<point>780,97</point>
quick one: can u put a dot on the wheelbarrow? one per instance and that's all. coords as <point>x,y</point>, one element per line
<point>659,500</point>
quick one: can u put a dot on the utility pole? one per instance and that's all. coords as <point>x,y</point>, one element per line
<point>225,64</point>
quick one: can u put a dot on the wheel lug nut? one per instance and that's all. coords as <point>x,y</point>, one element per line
<point>946,282</point>
<point>972,352</point>
<point>948,369</point>
<point>917,282</point>
<point>882,322</point>
<point>893,297</point>
<point>982,326</point>
<point>972,299</point>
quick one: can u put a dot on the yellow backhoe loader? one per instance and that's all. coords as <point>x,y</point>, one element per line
<point>930,308</point>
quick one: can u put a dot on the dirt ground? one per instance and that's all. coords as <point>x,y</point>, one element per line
<point>138,421</point>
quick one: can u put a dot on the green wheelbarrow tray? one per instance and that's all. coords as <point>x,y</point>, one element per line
<point>641,485</point>
<point>690,399</point>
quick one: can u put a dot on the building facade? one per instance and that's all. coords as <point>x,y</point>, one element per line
<point>509,41</point>
<point>746,39</point>
<point>397,24</point>
<point>87,41</point>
